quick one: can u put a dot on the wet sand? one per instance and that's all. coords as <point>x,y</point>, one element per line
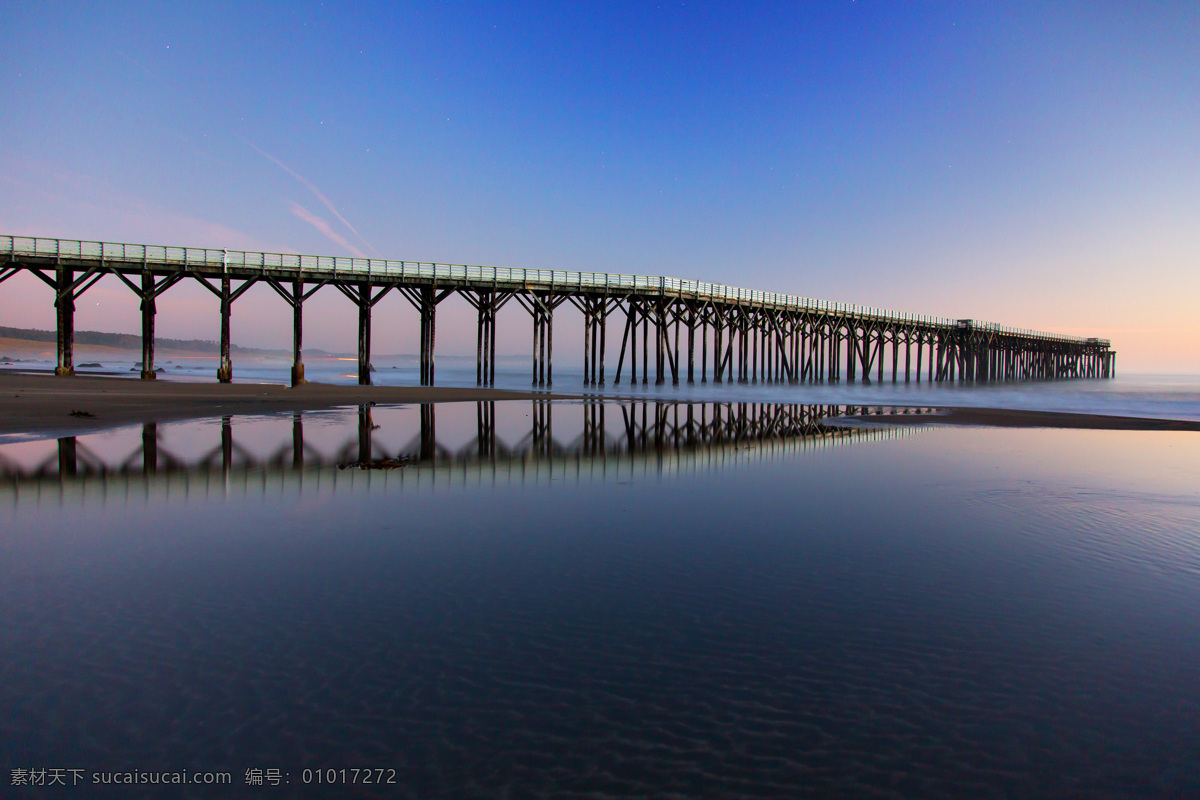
<point>1011,418</point>
<point>40,403</point>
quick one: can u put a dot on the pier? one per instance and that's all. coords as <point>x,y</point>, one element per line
<point>675,330</point>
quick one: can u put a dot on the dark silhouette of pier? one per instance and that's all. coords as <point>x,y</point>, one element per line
<point>616,439</point>
<point>754,336</point>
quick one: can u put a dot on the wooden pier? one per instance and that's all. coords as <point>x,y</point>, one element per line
<point>755,337</point>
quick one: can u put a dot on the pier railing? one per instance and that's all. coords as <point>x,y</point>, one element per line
<point>209,259</point>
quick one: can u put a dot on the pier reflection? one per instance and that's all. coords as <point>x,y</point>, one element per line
<point>397,446</point>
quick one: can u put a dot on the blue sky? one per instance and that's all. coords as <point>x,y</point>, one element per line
<point>1032,164</point>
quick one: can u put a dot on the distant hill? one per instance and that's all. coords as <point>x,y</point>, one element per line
<point>129,341</point>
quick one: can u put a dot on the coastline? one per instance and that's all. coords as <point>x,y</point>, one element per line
<point>1014,418</point>
<point>39,403</point>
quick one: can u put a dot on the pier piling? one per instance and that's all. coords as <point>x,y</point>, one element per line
<point>755,336</point>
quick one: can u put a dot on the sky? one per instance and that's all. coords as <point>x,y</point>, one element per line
<point>1032,164</point>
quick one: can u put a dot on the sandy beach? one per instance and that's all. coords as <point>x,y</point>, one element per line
<point>33,403</point>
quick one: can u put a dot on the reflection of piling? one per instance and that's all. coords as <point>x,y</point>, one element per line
<point>150,448</point>
<point>594,438</point>
<point>542,428</point>
<point>364,434</point>
<point>485,438</point>
<point>297,441</point>
<point>428,434</point>
<point>226,445</point>
<point>67,462</point>
<point>654,432</point>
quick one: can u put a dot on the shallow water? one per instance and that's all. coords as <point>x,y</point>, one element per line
<point>533,602</point>
<point>1166,396</point>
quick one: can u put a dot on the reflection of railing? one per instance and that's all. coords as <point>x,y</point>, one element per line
<point>617,439</point>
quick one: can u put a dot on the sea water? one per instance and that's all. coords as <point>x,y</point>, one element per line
<point>532,599</point>
<point>1163,396</point>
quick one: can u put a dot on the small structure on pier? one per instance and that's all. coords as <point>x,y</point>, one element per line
<point>755,336</point>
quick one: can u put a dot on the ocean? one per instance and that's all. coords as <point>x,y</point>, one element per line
<point>1162,396</point>
<point>618,597</point>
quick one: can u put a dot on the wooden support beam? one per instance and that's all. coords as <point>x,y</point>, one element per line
<point>586,308</point>
<point>674,352</point>
<point>624,342</point>
<point>148,309</point>
<point>921,348</point>
<point>895,355</point>
<point>718,342</point>
<point>606,306</point>
<point>754,329</point>
<point>489,346</point>
<point>364,334</point>
<point>297,300</point>
<point>480,338</point>
<point>549,346</point>
<point>908,357</point>
<point>645,346</point>
<point>428,308</point>
<point>742,328</point>
<point>851,350</point>
<point>691,343</point>
<point>225,366</point>
<point>879,353</point>
<point>64,305</point>
<point>633,344</point>
<point>539,346</point>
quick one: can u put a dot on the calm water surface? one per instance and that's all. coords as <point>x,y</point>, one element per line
<point>1163,396</point>
<point>540,600</point>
